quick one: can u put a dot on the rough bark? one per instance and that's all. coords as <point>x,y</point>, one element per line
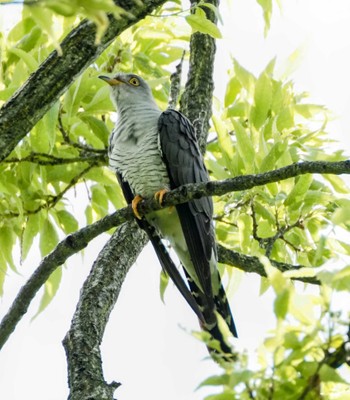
<point>196,101</point>
<point>98,297</point>
<point>43,88</point>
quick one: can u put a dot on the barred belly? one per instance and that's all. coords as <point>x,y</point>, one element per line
<point>139,162</point>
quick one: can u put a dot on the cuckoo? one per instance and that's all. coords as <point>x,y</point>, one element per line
<point>153,152</point>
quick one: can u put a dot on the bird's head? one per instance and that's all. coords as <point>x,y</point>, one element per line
<point>128,89</point>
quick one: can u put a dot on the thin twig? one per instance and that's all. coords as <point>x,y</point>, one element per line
<point>48,159</point>
<point>175,84</point>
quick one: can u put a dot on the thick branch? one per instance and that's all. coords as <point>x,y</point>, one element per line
<point>43,88</point>
<point>196,100</point>
<point>80,239</point>
<point>98,297</point>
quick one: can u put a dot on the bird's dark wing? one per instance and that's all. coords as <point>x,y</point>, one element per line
<point>163,256</point>
<point>185,164</point>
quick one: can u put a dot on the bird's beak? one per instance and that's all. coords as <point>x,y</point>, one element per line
<point>110,81</point>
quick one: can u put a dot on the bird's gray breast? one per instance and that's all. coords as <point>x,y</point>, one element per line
<point>134,152</point>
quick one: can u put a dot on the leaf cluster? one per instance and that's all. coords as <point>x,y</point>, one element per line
<point>264,125</point>
<point>67,150</point>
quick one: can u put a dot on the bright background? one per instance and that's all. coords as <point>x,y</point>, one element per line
<point>147,346</point>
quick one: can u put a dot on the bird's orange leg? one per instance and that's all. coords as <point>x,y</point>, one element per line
<point>160,194</point>
<point>159,197</point>
<point>134,205</point>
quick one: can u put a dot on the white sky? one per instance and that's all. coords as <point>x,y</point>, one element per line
<point>163,361</point>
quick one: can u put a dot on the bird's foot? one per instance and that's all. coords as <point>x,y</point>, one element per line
<point>160,194</point>
<point>134,205</point>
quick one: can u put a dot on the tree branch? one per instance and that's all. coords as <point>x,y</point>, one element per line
<point>253,264</point>
<point>196,100</point>
<point>245,182</point>
<point>98,297</point>
<point>80,239</point>
<point>43,88</point>
<point>48,159</point>
<point>67,247</point>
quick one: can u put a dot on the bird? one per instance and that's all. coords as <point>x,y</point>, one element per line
<point>153,152</point>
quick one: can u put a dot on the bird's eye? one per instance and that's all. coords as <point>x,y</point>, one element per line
<point>134,81</point>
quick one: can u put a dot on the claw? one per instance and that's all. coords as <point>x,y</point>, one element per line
<point>160,194</point>
<point>134,205</point>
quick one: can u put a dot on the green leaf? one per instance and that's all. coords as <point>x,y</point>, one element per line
<point>115,196</point>
<point>27,58</point>
<point>67,221</point>
<point>285,119</point>
<point>239,109</point>
<point>20,31</point>
<point>245,146</point>
<point>200,23</point>
<point>302,308</point>
<point>291,341</point>
<point>328,374</point>
<point>339,281</point>
<point>89,215</point>
<point>276,278</point>
<point>222,396</point>
<point>50,289</point>
<point>7,240</point>
<point>297,194</point>
<point>266,5</point>
<point>308,111</point>
<point>31,229</point>
<point>101,101</point>
<point>67,8</point>
<point>264,212</point>
<point>244,223</point>
<point>338,183</point>
<point>281,303</point>
<point>265,229</point>
<point>213,8</point>
<point>225,142</point>
<point>341,217</point>
<point>270,160</point>
<point>99,200</point>
<point>216,380</point>
<point>246,79</point>
<point>50,122</point>
<point>262,100</point>
<point>73,97</point>
<point>98,127</point>
<point>163,284</point>
<point>48,238</point>
<point>43,17</point>
<point>233,88</point>
<point>264,285</point>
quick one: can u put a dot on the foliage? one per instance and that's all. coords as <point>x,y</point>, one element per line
<point>39,176</point>
<point>265,125</point>
<point>262,124</point>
